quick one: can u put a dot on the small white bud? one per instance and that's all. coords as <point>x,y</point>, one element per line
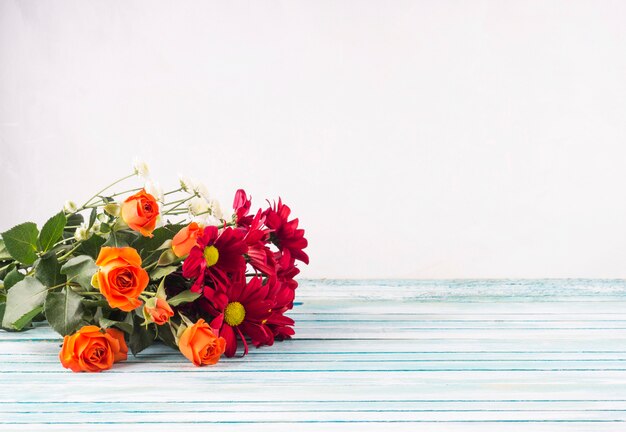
<point>141,169</point>
<point>70,207</point>
<point>113,209</point>
<point>82,232</point>
<point>198,205</point>
<point>95,228</point>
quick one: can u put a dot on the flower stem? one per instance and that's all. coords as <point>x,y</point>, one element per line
<point>180,202</point>
<point>66,283</point>
<point>173,191</point>
<point>125,192</point>
<point>154,264</point>
<point>84,206</point>
<point>71,251</point>
<point>60,242</point>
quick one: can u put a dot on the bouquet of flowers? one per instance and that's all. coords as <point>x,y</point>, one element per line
<point>129,268</point>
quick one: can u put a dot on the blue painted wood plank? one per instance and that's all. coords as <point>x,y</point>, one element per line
<point>390,355</point>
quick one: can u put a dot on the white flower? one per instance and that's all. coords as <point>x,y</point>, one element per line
<point>186,183</point>
<point>201,190</point>
<point>198,205</point>
<point>70,207</point>
<point>82,232</point>
<point>206,220</point>
<point>216,209</point>
<point>141,169</point>
<point>154,189</point>
<point>95,228</point>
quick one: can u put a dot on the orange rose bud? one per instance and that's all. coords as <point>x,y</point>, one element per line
<point>91,350</point>
<point>140,212</point>
<point>200,344</point>
<point>120,277</point>
<point>186,239</point>
<point>161,313</point>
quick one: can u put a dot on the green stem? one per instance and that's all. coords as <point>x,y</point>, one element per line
<point>70,252</point>
<point>66,283</point>
<point>226,224</point>
<point>61,242</point>
<point>177,205</point>
<point>182,200</point>
<point>84,206</point>
<point>125,192</point>
<point>173,191</point>
<point>154,264</point>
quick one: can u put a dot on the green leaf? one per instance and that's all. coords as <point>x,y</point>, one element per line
<point>27,318</point>
<point>95,303</point>
<point>120,238</point>
<point>91,246</point>
<point>23,299</point>
<point>4,253</point>
<point>64,311</point>
<point>92,217</point>
<point>21,242</point>
<point>141,337</point>
<point>146,245</point>
<point>52,231</point>
<point>160,272</point>
<point>166,335</point>
<point>48,271</point>
<point>12,278</point>
<point>73,221</point>
<point>184,297</point>
<point>126,326</point>
<point>80,269</point>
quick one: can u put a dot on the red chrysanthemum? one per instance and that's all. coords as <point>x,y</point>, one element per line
<point>260,257</point>
<point>216,258</point>
<point>245,309</point>
<point>279,324</point>
<point>241,205</point>
<point>285,233</point>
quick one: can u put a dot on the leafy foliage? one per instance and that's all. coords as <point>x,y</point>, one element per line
<point>52,231</point>
<point>80,269</point>
<point>24,301</point>
<point>64,310</point>
<point>21,242</point>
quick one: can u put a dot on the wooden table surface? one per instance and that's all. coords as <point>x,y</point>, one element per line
<point>502,355</point>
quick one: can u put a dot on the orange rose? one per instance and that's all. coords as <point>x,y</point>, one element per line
<point>161,313</point>
<point>200,344</point>
<point>140,212</point>
<point>120,277</point>
<point>186,239</point>
<point>91,350</point>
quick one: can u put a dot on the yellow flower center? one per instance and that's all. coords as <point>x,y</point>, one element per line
<point>211,255</point>
<point>234,314</point>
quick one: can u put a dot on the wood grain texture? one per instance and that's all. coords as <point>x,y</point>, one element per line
<point>381,355</point>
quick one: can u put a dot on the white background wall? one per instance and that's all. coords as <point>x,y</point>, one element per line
<point>412,138</point>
